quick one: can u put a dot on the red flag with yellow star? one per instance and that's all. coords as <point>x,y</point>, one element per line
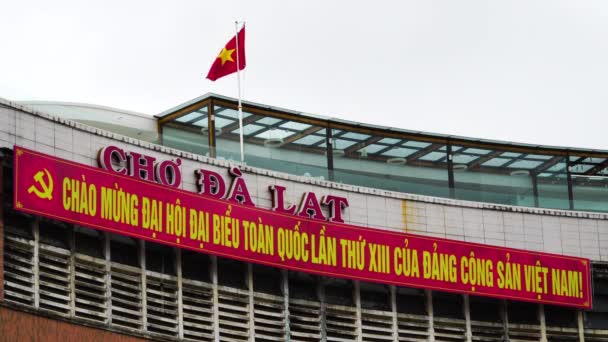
<point>226,62</point>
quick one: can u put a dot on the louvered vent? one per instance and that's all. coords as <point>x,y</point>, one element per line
<point>198,310</point>
<point>376,312</point>
<point>54,272</point>
<point>161,301</point>
<point>340,309</point>
<point>269,317</point>
<point>448,317</point>
<point>234,313</point>
<point>487,319</point>
<point>449,330</point>
<point>412,318</point>
<point>596,335</point>
<point>412,328</point>
<point>523,332</point>
<point>91,298</point>
<point>126,296</point>
<point>18,269</point>
<point>523,322</point>
<point>341,323</point>
<point>561,324</point>
<point>487,331</point>
<point>558,334</point>
<point>376,325</point>
<point>304,320</point>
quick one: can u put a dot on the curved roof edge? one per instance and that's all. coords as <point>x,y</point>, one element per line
<point>84,105</point>
<point>129,123</point>
<point>355,124</point>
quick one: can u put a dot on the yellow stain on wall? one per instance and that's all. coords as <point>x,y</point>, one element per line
<point>404,214</point>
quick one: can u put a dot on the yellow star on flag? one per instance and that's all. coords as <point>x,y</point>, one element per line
<point>226,55</point>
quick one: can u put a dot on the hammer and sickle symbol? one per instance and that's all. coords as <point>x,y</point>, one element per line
<point>46,191</point>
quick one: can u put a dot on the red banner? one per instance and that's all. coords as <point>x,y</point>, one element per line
<point>96,198</point>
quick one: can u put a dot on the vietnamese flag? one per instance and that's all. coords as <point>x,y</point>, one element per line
<point>226,62</point>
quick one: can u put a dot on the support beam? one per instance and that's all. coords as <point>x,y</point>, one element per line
<point>359,323</point>
<point>144,295</point>
<point>180,293</point>
<point>599,167</point>
<point>364,143</point>
<point>216,309</point>
<point>36,272</point>
<point>581,325</point>
<point>546,165</point>
<point>543,324</point>
<point>285,285</point>
<point>429,311</point>
<point>423,152</point>
<point>451,181</point>
<point>107,256</point>
<point>251,302</point>
<point>72,270</point>
<point>570,184</point>
<point>323,313</point>
<point>300,135</point>
<point>467,318</point>
<point>393,290</point>
<point>477,162</point>
<point>504,314</point>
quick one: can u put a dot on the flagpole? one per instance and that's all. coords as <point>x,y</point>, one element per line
<point>240,105</point>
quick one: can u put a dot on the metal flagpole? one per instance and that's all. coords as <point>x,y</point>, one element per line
<point>238,78</point>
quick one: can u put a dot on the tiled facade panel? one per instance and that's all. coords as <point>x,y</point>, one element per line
<point>552,231</point>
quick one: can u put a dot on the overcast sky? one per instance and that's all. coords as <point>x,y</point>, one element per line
<point>523,71</point>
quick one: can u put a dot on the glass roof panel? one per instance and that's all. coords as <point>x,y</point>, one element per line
<point>228,112</point>
<point>538,156</point>
<point>341,144</point>
<point>309,140</point>
<point>511,154</point>
<point>274,133</point>
<point>496,162</point>
<point>463,158</point>
<point>580,168</point>
<point>221,122</point>
<point>248,129</point>
<point>296,126</point>
<point>191,116</point>
<point>433,156</point>
<point>525,164</point>
<point>355,136</point>
<point>399,152</point>
<point>389,141</point>
<point>268,121</point>
<point>412,143</point>
<point>373,148</point>
<point>201,123</point>
<point>477,151</point>
<point>557,167</point>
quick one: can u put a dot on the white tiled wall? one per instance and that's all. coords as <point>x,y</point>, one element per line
<point>552,231</point>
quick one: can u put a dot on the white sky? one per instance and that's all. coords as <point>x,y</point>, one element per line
<point>525,71</point>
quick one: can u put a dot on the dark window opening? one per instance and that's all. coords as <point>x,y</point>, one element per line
<point>231,273</point>
<point>267,279</point>
<point>196,266</point>
<point>160,258</point>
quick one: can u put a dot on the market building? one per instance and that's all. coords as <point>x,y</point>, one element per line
<point>118,225</point>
